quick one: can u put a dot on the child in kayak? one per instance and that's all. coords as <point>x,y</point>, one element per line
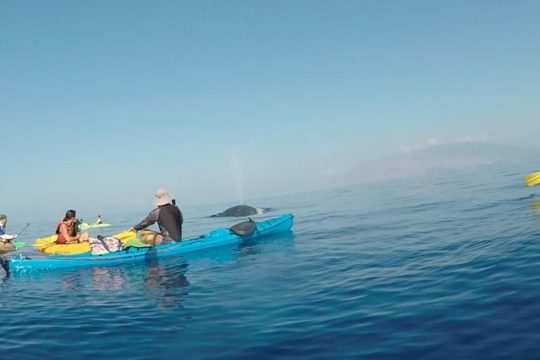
<point>169,219</point>
<point>3,221</point>
<point>66,231</point>
<point>6,241</point>
<point>3,235</point>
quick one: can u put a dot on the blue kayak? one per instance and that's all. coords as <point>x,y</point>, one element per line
<point>22,263</point>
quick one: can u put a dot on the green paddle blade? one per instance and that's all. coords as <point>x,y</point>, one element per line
<point>19,245</point>
<point>533,179</point>
<point>136,243</point>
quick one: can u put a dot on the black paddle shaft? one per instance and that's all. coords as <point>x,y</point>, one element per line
<point>24,228</point>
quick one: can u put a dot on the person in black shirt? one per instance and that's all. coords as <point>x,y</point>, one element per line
<point>169,218</point>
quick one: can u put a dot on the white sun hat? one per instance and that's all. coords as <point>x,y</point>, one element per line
<point>162,197</point>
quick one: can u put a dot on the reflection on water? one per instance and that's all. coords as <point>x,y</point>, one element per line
<point>166,286</point>
<point>163,284</point>
<point>535,204</point>
<point>71,283</point>
<point>107,279</point>
<point>3,276</point>
<point>159,283</point>
<point>255,247</point>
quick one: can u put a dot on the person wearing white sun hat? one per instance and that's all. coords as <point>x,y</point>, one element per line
<point>168,216</point>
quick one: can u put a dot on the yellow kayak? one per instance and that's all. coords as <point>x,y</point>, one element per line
<point>533,179</point>
<point>48,244</point>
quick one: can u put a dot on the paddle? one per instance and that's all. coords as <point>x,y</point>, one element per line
<point>24,228</point>
<point>533,179</point>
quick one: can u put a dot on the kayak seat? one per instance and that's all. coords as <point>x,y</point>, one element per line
<point>244,228</point>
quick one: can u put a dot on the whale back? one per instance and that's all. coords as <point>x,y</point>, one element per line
<point>238,210</point>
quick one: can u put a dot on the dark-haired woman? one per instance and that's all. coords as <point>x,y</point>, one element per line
<point>66,231</point>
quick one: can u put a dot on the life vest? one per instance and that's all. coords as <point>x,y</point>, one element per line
<point>61,239</point>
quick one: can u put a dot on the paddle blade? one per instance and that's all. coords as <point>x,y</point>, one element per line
<point>136,243</point>
<point>533,179</point>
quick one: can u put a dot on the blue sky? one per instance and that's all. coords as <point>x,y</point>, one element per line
<point>101,102</point>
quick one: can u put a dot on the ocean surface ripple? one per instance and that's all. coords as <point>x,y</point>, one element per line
<point>444,266</point>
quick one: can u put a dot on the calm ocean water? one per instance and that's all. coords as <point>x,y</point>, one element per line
<point>439,267</point>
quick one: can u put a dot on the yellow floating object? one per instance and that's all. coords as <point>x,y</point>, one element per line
<point>67,249</point>
<point>42,243</point>
<point>48,244</point>
<point>533,179</point>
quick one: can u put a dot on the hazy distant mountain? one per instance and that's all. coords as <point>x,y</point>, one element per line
<point>427,159</point>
